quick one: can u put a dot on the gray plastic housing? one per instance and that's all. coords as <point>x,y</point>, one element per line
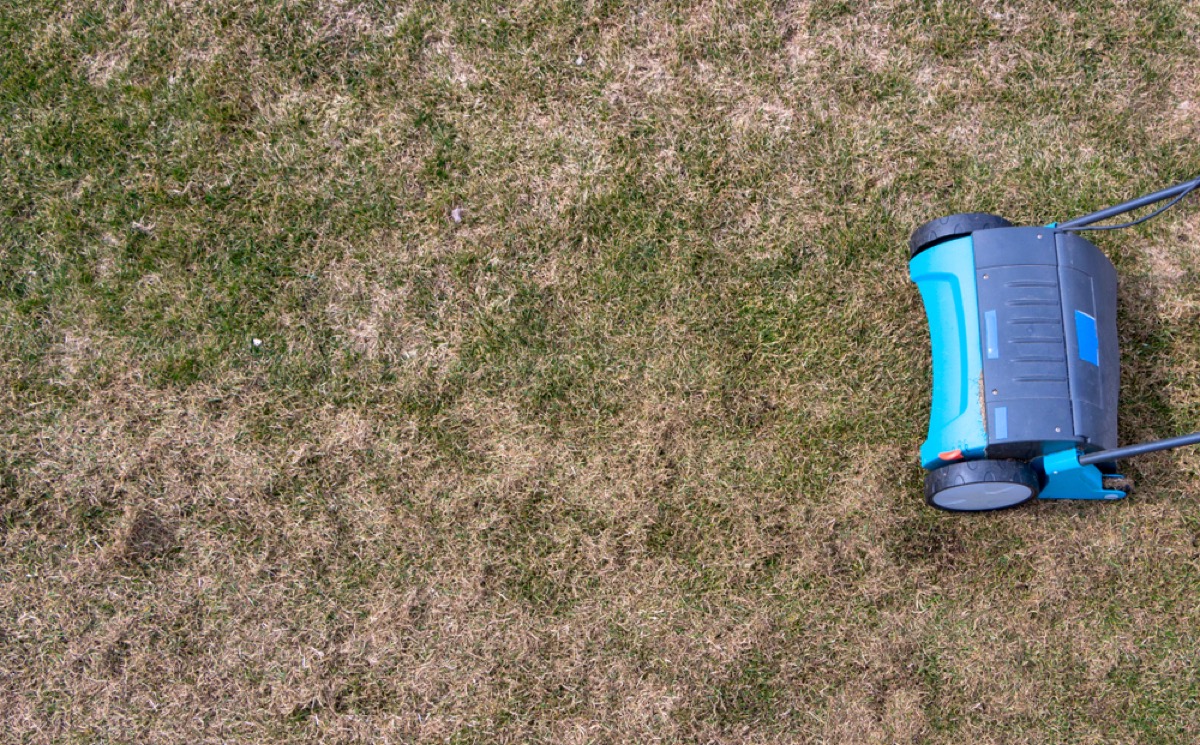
<point>1051,364</point>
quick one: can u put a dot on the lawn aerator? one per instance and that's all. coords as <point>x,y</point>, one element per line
<point>1026,366</point>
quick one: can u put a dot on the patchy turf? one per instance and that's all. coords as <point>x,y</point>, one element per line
<point>548,372</point>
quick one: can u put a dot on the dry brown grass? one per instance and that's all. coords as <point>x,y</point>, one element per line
<point>625,452</point>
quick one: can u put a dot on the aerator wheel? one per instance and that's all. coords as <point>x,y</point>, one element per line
<point>952,226</point>
<point>980,485</point>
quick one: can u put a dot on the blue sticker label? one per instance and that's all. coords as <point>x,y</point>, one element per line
<point>1001,422</point>
<point>1089,342</point>
<point>993,343</point>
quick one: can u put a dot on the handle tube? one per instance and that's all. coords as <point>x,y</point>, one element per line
<point>1130,206</point>
<point>1130,451</point>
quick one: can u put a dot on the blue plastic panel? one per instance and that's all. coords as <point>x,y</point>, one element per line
<point>1067,479</point>
<point>945,276</point>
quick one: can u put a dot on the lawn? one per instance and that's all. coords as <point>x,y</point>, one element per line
<point>487,372</point>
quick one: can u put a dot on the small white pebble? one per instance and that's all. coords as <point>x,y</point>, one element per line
<point>579,60</point>
<point>256,342</point>
<point>456,214</point>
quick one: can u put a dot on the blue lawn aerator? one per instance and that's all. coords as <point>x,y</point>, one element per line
<point>1026,366</point>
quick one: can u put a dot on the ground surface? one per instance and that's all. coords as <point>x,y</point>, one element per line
<point>588,380</point>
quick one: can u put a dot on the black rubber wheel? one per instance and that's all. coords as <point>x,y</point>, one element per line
<point>952,226</point>
<point>981,485</point>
